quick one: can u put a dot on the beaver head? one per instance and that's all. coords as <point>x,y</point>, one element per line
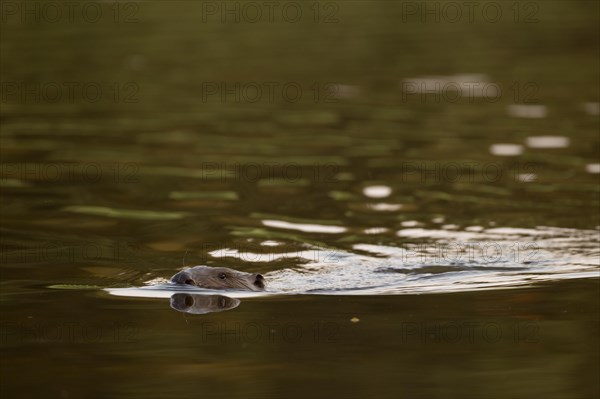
<point>219,278</point>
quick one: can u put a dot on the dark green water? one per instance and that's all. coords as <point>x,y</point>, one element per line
<point>434,178</point>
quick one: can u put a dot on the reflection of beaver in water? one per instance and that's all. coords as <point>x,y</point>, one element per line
<point>202,304</point>
<point>218,278</point>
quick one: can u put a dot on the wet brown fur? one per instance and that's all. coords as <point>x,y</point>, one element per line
<point>219,278</point>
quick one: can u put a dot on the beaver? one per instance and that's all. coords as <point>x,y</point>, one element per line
<point>219,278</point>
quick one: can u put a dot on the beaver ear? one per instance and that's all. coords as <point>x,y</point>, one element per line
<point>182,278</point>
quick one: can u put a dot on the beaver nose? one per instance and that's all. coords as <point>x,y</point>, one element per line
<point>259,281</point>
<point>182,278</point>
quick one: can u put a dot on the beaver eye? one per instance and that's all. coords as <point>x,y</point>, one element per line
<point>222,276</point>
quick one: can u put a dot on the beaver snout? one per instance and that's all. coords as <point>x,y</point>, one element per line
<point>183,278</point>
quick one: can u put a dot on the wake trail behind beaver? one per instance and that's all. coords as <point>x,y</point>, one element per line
<point>450,261</point>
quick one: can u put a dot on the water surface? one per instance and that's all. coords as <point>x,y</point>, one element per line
<point>425,208</point>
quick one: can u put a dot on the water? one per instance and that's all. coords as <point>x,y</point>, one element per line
<point>422,197</point>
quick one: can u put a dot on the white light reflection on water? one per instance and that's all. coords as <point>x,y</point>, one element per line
<point>377,191</point>
<point>506,150</point>
<point>305,227</point>
<point>592,168</point>
<point>383,207</point>
<point>527,177</point>
<point>548,142</point>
